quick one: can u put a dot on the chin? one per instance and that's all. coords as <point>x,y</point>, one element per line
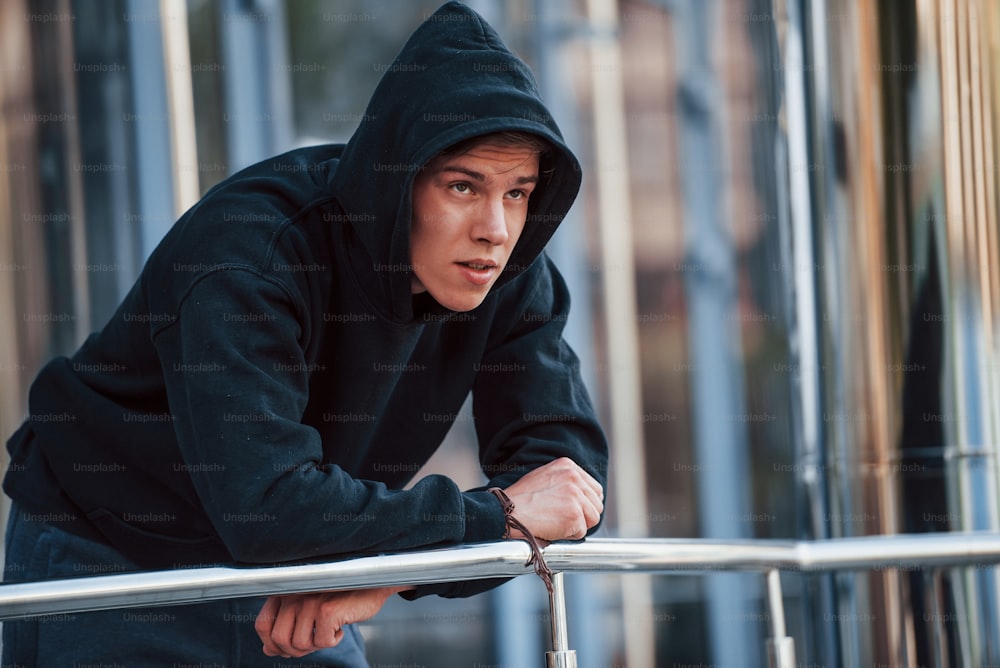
<point>460,303</point>
<point>463,305</point>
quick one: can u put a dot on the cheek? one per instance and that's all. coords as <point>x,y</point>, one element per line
<point>431,236</point>
<point>430,217</point>
<point>422,227</point>
<point>515,228</point>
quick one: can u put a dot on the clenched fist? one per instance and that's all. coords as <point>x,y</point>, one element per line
<point>557,501</point>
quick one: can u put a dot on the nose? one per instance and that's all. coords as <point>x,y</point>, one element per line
<point>491,223</point>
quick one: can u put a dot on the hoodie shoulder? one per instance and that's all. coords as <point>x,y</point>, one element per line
<point>274,214</point>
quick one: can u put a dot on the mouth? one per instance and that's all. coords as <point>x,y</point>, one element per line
<point>479,272</point>
<point>479,265</point>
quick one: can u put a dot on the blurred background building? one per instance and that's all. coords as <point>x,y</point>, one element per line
<point>784,265</point>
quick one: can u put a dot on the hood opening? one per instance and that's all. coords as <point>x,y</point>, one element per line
<point>453,80</point>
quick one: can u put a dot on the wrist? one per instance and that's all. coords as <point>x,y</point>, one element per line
<point>514,524</point>
<point>508,512</point>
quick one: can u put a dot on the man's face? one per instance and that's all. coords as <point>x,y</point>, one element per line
<point>468,212</point>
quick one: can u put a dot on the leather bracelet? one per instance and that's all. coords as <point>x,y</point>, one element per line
<point>510,522</point>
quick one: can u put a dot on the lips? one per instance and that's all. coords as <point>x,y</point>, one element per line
<point>477,271</point>
<point>479,264</point>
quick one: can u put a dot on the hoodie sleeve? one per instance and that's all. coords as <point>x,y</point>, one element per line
<point>238,394</point>
<point>529,401</point>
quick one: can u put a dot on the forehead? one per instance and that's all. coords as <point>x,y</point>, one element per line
<point>490,157</point>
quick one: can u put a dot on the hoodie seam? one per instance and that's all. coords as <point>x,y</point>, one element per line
<point>250,269</point>
<point>289,222</point>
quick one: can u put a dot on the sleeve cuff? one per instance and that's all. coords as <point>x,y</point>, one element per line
<point>484,518</point>
<point>453,589</point>
<point>484,522</point>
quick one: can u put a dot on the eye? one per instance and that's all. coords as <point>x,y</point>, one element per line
<point>461,187</point>
<point>518,194</point>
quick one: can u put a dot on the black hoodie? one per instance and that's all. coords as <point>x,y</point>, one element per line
<point>270,384</point>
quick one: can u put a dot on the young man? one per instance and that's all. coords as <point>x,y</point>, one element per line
<point>269,386</point>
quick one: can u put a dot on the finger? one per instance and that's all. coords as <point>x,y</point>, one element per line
<point>327,635</point>
<point>592,484</point>
<point>330,617</point>
<point>305,622</point>
<point>583,498</point>
<point>571,525</point>
<point>264,624</point>
<point>591,515</point>
<point>584,479</point>
<point>284,626</point>
<point>585,516</point>
<point>595,499</point>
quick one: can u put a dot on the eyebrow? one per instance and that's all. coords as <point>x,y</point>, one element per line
<point>482,178</point>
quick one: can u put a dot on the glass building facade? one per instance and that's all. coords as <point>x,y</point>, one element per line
<point>783,261</point>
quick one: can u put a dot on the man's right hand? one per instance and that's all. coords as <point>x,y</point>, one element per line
<point>557,501</point>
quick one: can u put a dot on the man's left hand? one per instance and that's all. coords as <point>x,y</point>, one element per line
<point>294,625</point>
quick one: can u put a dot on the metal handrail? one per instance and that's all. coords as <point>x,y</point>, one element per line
<point>508,559</point>
<point>501,559</point>
<point>192,585</point>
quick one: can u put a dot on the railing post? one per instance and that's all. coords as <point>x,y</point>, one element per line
<point>780,648</point>
<point>561,655</point>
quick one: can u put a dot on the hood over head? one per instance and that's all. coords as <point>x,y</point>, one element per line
<point>454,79</point>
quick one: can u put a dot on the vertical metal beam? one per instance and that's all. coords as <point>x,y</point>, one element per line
<point>972,459</point>
<point>18,194</point>
<point>256,80</point>
<point>180,100</point>
<point>245,118</point>
<point>780,647</point>
<point>154,211</point>
<point>711,288</point>
<point>74,181</point>
<point>861,404</point>
<point>799,241</point>
<point>621,322</point>
<point>795,216</point>
<point>561,655</point>
<point>615,222</point>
